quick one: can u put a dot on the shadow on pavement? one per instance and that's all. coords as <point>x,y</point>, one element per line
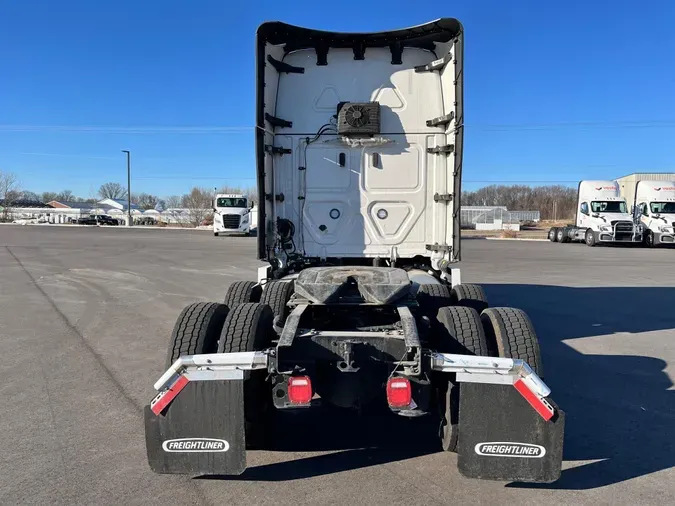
<point>619,409</point>
<point>620,412</point>
<point>358,442</point>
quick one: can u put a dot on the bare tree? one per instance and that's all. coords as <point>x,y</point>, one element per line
<point>48,196</point>
<point>144,200</point>
<point>112,191</point>
<point>29,196</point>
<point>9,192</point>
<point>173,202</point>
<point>199,203</point>
<point>66,196</point>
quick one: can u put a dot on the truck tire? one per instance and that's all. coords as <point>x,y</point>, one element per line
<point>248,327</point>
<point>561,235</point>
<point>649,239</point>
<point>553,234</point>
<point>197,330</point>
<point>431,297</point>
<point>460,332</point>
<point>469,296</point>
<point>276,295</point>
<point>510,334</point>
<point>240,292</point>
<point>590,238</point>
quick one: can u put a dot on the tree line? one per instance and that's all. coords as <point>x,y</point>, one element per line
<point>552,202</point>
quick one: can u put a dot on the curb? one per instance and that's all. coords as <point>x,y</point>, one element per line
<point>515,239</point>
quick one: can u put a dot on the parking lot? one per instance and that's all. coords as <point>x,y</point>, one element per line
<point>84,325</point>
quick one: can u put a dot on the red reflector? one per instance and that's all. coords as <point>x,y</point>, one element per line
<point>542,407</point>
<point>399,393</point>
<point>163,400</point>
<point>299,389</point>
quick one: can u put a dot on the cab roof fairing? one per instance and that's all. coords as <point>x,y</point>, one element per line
<point>293,38</point>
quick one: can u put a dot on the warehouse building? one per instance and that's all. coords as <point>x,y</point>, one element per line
<point>627,183</point>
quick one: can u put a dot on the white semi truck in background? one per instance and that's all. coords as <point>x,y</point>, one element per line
<point>602,216</point>
<point>655,205</point>
<point>231,214</point>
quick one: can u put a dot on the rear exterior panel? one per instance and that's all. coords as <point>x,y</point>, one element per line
<point>360,197</point>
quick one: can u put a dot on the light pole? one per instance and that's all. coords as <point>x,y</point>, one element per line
<point>128,186</point>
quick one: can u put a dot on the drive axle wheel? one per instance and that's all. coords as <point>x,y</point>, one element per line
<point>469,296</point>
<point>276,295</point>
<point>241,292</point>
<point>248,327</point>
<point>560,235</point>
<point>197,330</point>
<point>553,234</point>
<point>510,334</point>
<point>461,332</point>
<point>432,297</point>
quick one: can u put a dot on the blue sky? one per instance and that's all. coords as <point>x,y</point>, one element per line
<point>586,88</point>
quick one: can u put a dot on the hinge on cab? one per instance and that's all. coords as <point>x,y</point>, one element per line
<point>277,150</point>
<point>448,149</point>
<point>439,247</point>
<point>442,197</point>
<point>279,197</point>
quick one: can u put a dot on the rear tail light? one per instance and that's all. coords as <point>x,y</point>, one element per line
<point>299,389</point>
<point>399,393</point>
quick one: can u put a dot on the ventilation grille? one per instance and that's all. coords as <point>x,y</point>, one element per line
<point>358,118</point>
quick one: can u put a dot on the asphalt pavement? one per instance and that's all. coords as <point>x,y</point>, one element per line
<point>85,318</point>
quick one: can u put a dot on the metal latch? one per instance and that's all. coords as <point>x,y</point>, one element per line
<point>277,150</point>
<point>442,150</point>
<point>442,197</point>
<point>439,247</point>
<point>441,120</point>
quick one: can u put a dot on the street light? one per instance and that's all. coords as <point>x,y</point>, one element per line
<point>128,186</point>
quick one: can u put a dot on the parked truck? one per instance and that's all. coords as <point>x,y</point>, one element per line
<point>602,217</point>
<point>359,142</point>
<point>231,214</point>
<point>655,205</point>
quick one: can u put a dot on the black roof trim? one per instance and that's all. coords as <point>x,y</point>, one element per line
<point>421,36</point>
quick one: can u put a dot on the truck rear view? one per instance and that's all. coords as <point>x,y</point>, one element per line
<point>358,145</point>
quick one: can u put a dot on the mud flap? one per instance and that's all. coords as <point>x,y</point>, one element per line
<point>502,438</point>
<point>200,432</point>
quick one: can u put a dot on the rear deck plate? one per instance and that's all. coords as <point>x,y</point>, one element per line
<point>200,432</point>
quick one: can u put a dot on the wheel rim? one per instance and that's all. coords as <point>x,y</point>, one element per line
<point>589,238</point>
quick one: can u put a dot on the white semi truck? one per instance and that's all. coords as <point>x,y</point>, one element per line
<point>602,217</point>
<point>231,214</point>
<point>359,306</point>
<point>655,205</point>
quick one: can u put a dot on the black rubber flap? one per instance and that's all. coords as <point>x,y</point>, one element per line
<point>502,438</point>
<point>200,432</point>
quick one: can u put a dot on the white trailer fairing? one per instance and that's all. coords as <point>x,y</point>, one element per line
<point>393,195</point>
